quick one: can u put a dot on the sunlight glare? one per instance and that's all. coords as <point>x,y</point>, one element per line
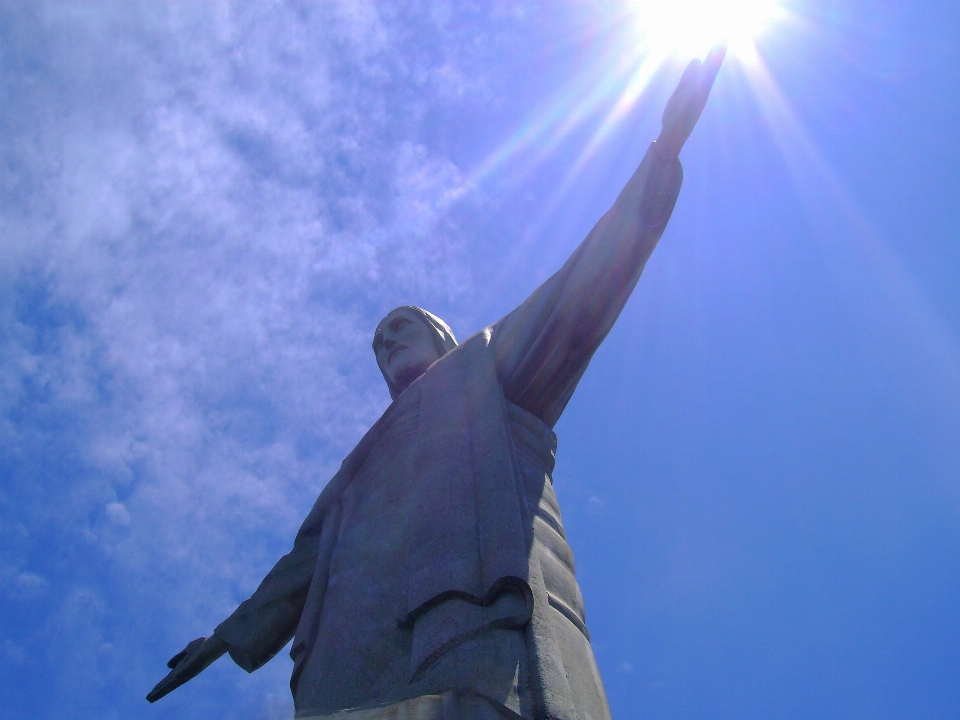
<point>689,28</point>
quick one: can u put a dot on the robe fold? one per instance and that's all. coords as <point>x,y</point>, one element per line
<point>435,560</point>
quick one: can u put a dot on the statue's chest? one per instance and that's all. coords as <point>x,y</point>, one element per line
<point>380,498</point>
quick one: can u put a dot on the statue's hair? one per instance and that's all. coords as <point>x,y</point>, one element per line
<point>441,333</point>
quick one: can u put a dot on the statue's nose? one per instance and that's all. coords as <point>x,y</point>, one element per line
<point>389,343</point>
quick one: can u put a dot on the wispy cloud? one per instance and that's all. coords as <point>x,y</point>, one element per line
<point>205,209</point>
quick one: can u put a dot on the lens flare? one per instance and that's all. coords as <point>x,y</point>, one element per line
<point>640,37</point>
<point>691,27</point>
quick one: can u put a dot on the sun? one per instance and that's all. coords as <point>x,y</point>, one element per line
<point>691,27</point>
<point>643,37</point>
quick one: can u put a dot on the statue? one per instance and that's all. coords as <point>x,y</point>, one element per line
<point>432,578</point>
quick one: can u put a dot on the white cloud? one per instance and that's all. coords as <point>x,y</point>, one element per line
<point>204,208</point>
<point>118,513</point>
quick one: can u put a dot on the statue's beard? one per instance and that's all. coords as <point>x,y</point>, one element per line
<point>405,376</point>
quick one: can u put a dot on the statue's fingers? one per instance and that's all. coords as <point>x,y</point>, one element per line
<point>175,660</point>
<point>711,65</point>
<point>685,92</point>
<point>155,694</point>
<point>168,684</point>
<point>182,655</point>
<point>689,74</point>
<point>716,55</point>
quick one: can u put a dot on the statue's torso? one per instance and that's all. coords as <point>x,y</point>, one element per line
<point>362,655</point>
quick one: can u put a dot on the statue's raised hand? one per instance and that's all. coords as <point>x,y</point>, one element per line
<point>188,663</point>
<point>687,102</point>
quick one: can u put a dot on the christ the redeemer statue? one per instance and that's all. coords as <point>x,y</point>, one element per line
<point>432,579</point>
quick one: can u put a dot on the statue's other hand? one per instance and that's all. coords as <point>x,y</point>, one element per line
<point>687,102</point>
<point>188,663</point>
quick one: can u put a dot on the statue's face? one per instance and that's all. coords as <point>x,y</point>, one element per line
<point>404,347</point>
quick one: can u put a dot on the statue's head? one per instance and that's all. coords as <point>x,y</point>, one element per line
<point>408,341</point>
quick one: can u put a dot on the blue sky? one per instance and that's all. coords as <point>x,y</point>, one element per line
<point>206,207</point>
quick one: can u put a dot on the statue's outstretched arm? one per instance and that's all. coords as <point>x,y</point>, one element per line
<point>262,624</point>
<point>544,346</point>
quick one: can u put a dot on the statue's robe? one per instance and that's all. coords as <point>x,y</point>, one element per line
<point>434,564</point>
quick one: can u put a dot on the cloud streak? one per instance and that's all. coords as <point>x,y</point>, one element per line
<point>205,208</point>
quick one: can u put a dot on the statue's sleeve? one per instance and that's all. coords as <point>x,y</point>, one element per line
<point>260,627</point>
<point>543,347</point>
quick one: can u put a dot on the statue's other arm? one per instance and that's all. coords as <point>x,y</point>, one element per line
<point>544,346</point>
<point>261,625</point>
<point>264,623</point>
